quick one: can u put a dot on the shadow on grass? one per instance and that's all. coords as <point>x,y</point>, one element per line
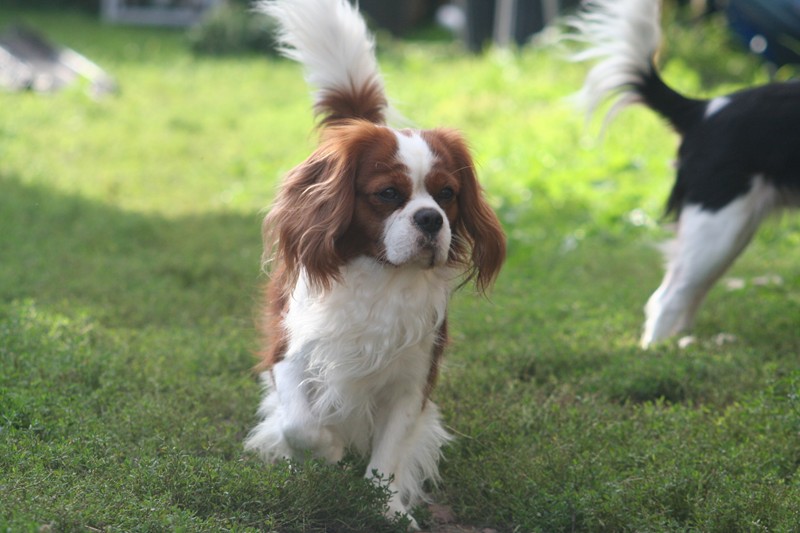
<point>125,269</point>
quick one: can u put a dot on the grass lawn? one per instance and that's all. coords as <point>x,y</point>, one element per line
<point>129,272</point>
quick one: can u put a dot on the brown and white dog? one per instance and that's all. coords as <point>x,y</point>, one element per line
<point>739,157</point>
<point>366,239</point>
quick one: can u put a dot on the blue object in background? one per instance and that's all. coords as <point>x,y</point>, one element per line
<point>770,28</point>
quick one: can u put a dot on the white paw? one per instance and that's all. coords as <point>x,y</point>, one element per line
<point>320,441</point>
<point>397,509</point>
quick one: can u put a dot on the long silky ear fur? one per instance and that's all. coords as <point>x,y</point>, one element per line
<point>485,231</point>
<point>478,232</point>
<point>313,208</point>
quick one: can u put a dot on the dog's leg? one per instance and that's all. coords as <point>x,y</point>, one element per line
<point>406,446</point>
<point>300,426</point>
<point>394,426</point>
<point>288,428</point>
<point>707,244</point>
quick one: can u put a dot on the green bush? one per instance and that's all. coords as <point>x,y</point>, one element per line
<point>232,29</point>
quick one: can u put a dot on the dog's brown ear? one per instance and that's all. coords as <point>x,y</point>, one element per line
<point>479,239</point>
<point>484,230</point>
<point>312,210</point>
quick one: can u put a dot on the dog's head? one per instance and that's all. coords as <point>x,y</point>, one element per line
<point>402,197</point>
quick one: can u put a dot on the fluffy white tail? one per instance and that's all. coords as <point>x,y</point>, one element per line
<point>623,35</point>
<point>330,39</point>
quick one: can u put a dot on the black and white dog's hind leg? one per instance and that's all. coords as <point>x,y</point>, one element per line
<point>707,243</point>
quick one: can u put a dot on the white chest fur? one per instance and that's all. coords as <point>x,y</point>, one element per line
<point>374,329</point>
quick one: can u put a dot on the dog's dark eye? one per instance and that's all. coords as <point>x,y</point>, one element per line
<point>446,194</point>
<point>389,194</point>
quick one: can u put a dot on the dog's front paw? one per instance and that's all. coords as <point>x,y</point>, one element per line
<point>320,441</point>
<point>397,510</point>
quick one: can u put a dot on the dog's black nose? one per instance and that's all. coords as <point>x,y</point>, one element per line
<point>429,220</point>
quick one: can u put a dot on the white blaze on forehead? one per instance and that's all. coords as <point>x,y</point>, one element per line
<point>405,242</point>
<point>416,155</point>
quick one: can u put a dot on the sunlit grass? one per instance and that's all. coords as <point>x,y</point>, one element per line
<point>129,273</point>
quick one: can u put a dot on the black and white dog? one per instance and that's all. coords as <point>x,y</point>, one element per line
<point>739,158</point>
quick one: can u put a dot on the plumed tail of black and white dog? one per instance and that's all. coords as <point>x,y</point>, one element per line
<point>738,160</point>
<point>623,36</point>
